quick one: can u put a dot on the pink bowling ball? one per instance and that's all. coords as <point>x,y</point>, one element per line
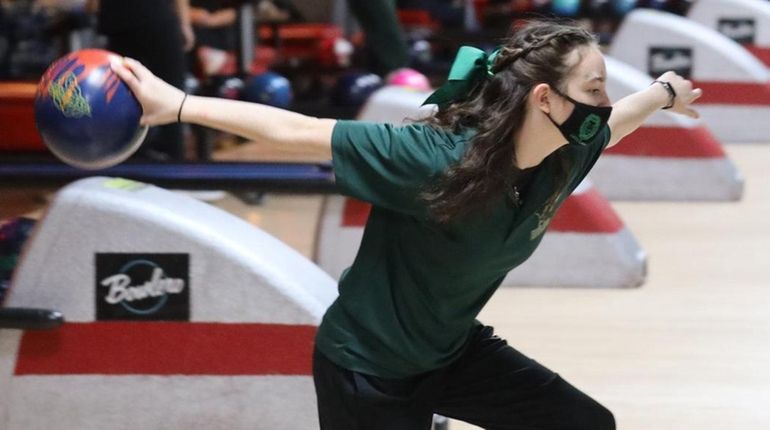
<point>408,78</point>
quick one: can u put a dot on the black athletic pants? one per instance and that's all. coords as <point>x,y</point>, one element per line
<point>491,385</point>
<point>386,46</point>
<point>160,47</point>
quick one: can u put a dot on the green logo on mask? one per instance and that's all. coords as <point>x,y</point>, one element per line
<point>589,128</point>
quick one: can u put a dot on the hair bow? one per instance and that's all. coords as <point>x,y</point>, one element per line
<point>469,66</point>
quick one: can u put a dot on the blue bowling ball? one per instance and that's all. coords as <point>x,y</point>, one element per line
<point>352,89</point>
<point>565,7</point>
<point>86,115</point>
<point>268,88</point>
<point>623,7</point>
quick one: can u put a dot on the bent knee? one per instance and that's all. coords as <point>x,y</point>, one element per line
<point>584,412</point>
<point>603,419</point>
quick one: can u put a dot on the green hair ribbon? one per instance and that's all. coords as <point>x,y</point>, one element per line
<point>469,67</point>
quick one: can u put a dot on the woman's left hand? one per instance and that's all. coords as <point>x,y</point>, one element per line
<point>685,93</point>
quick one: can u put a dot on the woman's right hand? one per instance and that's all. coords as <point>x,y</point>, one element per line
<point>160,101</point>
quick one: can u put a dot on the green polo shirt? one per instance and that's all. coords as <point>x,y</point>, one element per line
<point>409,301</point>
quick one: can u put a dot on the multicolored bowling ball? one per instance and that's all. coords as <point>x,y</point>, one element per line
<point>408,78</point>
<point>268,88</point>
<point>352,89</point>
<point>85,113</point>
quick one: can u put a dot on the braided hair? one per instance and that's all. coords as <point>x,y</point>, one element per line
<point>496,108</point>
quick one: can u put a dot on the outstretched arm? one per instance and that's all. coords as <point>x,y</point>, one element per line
<point>631,111</point>
<point>163,104</point>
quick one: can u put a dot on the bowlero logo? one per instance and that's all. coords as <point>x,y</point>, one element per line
<point>741,30</point>
<point>145,287</point>
<point>663,59</point>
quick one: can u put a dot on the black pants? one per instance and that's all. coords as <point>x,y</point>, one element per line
<point>160,47</point>
<point>491,385</point>
<point>386,47</point>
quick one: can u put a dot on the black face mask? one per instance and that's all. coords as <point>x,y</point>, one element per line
<point>584,123</point>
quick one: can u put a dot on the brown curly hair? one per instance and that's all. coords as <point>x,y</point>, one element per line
<point>495,108</point>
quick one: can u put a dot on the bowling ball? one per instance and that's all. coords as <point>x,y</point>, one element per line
<point>565,7</point>
<point>408,78</point>
<point>352,89</point>
<point>85,113</point>
<point>268,88</point>
<point>623,7</point>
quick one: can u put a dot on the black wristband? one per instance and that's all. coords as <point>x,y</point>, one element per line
<point>179,114</point>
<point>671,93</point>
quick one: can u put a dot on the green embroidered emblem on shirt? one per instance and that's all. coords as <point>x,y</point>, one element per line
<point>544,218</point>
